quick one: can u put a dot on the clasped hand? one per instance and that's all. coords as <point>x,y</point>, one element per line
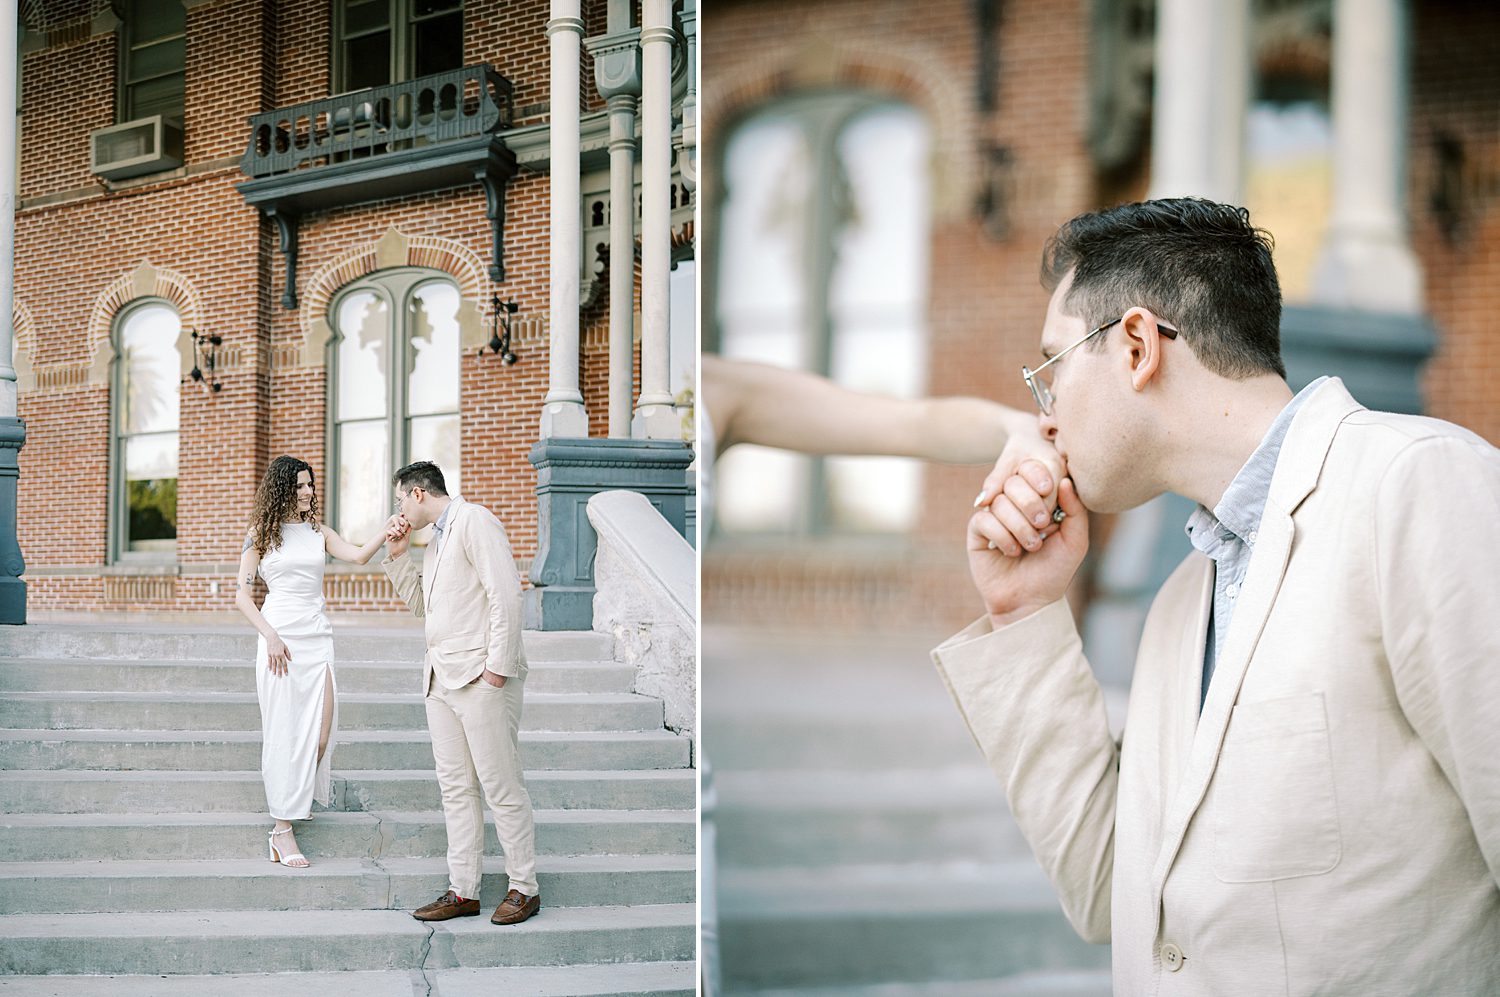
<point>397,535</point>
<point>1020,557</point>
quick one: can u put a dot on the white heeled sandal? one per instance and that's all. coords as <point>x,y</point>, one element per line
<point>286,860</point>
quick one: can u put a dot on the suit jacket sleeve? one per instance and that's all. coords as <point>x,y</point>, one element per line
<point>1437,540</point>
<point>1037,713</point>
<point>488,549</point>
<point>406,577</point>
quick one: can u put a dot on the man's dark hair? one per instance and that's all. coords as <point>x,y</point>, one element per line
<point>423,474</point>
<point>1199,265</point>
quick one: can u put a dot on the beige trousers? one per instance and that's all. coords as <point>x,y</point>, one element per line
<point>476,744</point>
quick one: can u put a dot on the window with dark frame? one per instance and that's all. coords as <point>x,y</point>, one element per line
<point>379,42</point>
<point>153,59</point>
<point>394,398</point>
<point>148,388</point>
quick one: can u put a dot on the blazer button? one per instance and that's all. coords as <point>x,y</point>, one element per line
<point>1172,957</point>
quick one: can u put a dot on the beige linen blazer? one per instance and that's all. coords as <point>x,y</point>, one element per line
<point>1331,823</point>
<point>469,594</point>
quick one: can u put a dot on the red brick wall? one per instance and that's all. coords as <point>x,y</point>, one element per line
<point>75,238</point>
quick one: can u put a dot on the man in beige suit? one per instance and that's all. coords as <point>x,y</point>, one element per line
<point>1306,799</point>
<point>473,677</point>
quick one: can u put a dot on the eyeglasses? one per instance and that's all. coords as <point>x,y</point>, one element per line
<point>1042,391</point>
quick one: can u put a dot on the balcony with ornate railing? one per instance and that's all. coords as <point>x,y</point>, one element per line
<point>439,131</point>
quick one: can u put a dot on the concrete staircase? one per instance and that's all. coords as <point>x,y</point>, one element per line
<point>133,833</point>
<point>864,846</point>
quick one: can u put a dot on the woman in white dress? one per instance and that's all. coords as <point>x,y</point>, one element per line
<point>294,655</point>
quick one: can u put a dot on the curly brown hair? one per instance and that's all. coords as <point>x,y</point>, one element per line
<point>276,503</point>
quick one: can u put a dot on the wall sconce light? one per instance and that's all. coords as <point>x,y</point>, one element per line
<point>206,356</point>
<point>500,313</point>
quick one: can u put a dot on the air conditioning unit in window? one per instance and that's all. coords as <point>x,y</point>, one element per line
<point>135,148</point>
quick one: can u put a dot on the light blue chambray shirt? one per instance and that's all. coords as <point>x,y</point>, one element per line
<point>1228,534</point>
<point>437,530</point>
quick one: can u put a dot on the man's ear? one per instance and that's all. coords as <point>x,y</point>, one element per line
<point>1144,342</point>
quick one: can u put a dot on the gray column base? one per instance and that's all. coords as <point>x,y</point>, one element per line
<point>569,473</point>
<point>12,565</point>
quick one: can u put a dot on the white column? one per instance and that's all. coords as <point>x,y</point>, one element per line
<point>655,417</point>
<point>621,262</point>
<point>617,73</point>
<point>8,71</point>
<point>562,410</point>
<point>1202,92</point>
<point>1367,262</point>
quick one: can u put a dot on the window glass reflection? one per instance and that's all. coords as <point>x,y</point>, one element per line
<point>433,384</point>
<point>364,325</point>
<point>364,479</point>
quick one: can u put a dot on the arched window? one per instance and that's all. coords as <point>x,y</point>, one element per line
<point>823,266</point>
<point>148,390</point>
<point>393,398</point>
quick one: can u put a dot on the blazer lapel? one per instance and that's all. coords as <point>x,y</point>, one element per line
<point>435,558</point>
<point>1297,469</point>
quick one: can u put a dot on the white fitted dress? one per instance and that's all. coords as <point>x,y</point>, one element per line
<point>291,705</point>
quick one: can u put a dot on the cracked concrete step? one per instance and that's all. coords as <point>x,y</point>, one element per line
<point>637,979</point>
<point>818,818</point>
<point>83,674</point>
<point>351,834</point>
<point>291,941</point>
<point>859,925</point>
<point>329,884</point>
<point>147,642</point>
<point>219,792</point>
<point>357,711</point>
<point>357,749</point>
<point>1053,983</point>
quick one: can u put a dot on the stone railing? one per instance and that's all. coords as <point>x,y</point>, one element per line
<point>646,599</point>
<point>461,103</point>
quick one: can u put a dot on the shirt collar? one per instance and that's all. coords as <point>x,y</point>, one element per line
<point>1237,516</point>
<point>442,521</point>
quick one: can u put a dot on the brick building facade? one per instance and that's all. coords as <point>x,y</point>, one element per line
<point>1037,111</point>
<point>88,250</point>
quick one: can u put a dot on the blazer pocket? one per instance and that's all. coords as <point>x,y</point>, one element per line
<point>459,650</point>
<point>1273,807</point>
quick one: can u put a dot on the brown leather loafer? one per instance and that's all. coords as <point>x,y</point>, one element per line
<point>448,905</point>
<point>516,908</point>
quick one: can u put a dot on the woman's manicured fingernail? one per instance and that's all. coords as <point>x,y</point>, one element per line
<point>1041,519</point>
<point>979,499</point>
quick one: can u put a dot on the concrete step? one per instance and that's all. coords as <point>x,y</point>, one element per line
<point>818,818</point>
<point>1053,983</point>
<point>333,834</point>
<point>878,924</point>
<point>148,642</point>
<point>85,887</point>
<point>241,711</point>
<point>356,749</point>
<point>24,791</point>
<point>638,979</point>
<point>198,942</point>
<point>920,737</point>
<point>84,674</point>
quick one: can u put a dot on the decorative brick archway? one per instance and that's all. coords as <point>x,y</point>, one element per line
<point>145,281</point>
<point>394,249</point>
